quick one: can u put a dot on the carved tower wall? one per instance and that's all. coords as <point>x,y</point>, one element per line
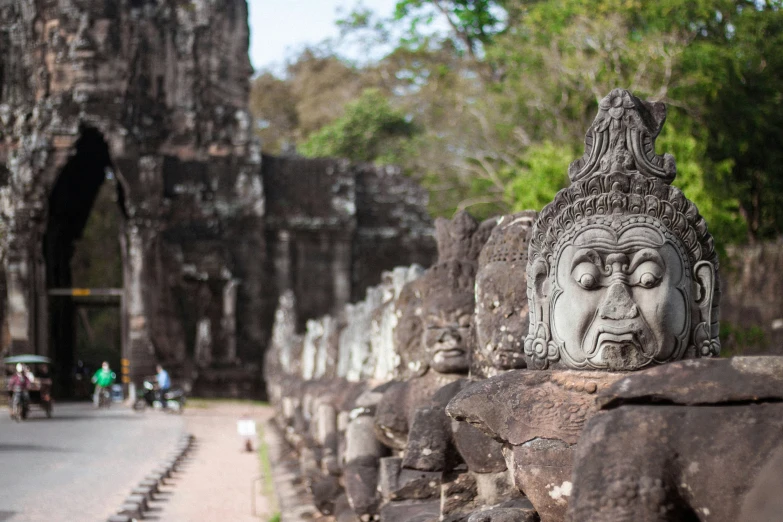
<point>164,87</point>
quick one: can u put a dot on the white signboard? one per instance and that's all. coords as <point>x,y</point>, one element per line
<point>246,427</point>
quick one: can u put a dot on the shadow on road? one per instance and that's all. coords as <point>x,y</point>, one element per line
<point>98,416</point>
<point>28,447</point>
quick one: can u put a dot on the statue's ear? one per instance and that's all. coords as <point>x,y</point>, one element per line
<point>540,274</point>
<point>704,281</point>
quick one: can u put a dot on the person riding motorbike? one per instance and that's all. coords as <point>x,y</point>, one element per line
<point>19,385</point>
<point>103,378</point>
<point>164,382</point>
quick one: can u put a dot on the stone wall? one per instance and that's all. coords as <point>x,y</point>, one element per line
<point>752,300</point>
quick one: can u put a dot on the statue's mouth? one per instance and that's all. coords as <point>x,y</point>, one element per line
<point>449,349</point>
<point>619,350</point>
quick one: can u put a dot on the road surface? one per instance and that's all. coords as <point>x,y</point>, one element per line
<point>82,463</point>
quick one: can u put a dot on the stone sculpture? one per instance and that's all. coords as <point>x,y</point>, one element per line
<point>317,379</point>
<point>621,275</point>
<point>684,441</point>
<point>410,416</point>
<point>622,271</point>
<point>501,318</point>
<point>578,420</point>
<point>500,323</point>
<point>443,305</point>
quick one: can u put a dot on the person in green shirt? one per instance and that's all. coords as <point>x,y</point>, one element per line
<point>103,378</point>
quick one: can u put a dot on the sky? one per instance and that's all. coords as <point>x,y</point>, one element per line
<point>278,28</point>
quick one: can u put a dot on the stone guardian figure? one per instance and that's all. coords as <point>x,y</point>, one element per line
<point>621,276</point>
<point>622,272</point>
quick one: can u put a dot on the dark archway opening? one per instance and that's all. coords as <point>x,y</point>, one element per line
<point>81,248</point>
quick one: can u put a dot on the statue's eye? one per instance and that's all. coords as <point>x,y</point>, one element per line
<point>648,280</point>
<point>587,281</point>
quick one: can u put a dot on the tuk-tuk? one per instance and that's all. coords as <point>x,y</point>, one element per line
<point>37,370</point>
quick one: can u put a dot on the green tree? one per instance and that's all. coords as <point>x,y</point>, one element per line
<point>503,97</point>
<point>736,93</point>
<point>313,93</point>
<point>539,175</point>
<point>473,23</point>
<point>370,130</point>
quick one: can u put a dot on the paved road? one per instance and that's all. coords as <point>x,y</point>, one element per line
<point>82,463</point>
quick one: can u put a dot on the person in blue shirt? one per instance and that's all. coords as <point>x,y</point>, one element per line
<point>164,381</point>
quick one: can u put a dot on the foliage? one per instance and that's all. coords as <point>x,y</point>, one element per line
<point>738,340</point>
<point>540,175</point>
<point>500,99</point>
<point>369,130</point>
<point>703,181</point>
<point>473,23</point>
<point>265,463</point>
<point>314,94</point>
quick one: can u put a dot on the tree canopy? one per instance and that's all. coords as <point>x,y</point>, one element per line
<point>487,101</point>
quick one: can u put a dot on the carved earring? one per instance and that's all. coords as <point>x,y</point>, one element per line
<point>540,350</point>
<point>704,344</point>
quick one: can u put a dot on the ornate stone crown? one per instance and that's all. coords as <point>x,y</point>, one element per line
<point>620,183</point>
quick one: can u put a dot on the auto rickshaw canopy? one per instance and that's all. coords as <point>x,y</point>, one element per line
<point>27,359</point>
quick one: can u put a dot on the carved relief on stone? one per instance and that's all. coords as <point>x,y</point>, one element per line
<point>622,271</point>
<point>435,311</point>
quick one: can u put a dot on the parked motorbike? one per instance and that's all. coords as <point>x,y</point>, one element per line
<point>148,396</point>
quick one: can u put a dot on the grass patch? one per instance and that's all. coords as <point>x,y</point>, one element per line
<point>197,404</point>
<point>267,484</point>
<point>204,403</point>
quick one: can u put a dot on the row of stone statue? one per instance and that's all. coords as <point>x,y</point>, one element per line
<point>549,366</point>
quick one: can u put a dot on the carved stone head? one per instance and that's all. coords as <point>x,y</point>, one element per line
<point>622,272</point>
<point>448,312</point>
<point>501,317</point>
<point>445,296</point>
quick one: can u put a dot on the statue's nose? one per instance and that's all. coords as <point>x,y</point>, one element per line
<point>450,332</point>
<point>618,304</point>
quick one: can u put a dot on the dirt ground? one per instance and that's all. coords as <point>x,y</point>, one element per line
<point>220,480</point>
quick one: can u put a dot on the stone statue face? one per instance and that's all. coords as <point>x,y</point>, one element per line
<point>446,330</point>
<point>621,271</point>
<point>621,297</point>
<point>501,315</point>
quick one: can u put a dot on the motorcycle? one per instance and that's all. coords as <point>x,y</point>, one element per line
<point>173,399</point>
<point>104,398</point>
